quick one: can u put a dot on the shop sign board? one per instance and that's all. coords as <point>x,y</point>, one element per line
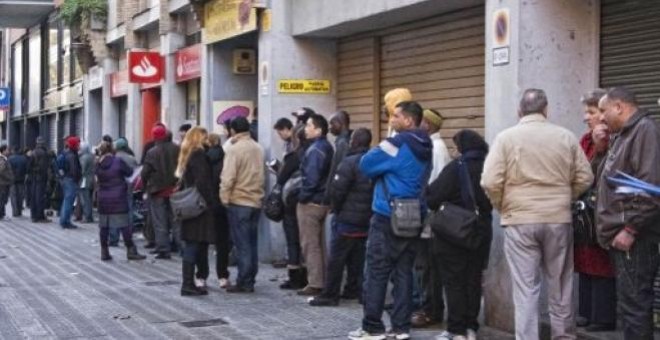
<point>145,67</point>
<point>119,83</point>
<point>5,98</point>
<point>188,63</point>
<point>306,86</point>
<point>224,19</point>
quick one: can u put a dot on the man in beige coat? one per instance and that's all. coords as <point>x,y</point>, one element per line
<point>241,191</point>
<point>531,175</point>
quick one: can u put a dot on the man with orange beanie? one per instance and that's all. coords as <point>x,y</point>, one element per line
<point>69,173</point>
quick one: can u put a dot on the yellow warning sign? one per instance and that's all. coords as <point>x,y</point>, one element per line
<point>308,86</point>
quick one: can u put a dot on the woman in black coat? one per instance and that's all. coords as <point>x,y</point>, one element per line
<point>461,268</point>
<point>194,169</point>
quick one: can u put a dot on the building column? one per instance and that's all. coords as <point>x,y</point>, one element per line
<point>282,56</point>
<point>110,109</point>
<point>553,46</point>
<point>173,96</point>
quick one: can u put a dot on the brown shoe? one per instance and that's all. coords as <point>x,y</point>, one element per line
<point>310,291</point>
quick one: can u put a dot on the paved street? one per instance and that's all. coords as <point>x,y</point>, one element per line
<point>53,286</point>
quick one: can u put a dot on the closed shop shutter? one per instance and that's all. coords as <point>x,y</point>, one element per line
<point>78,123</point>
<point>630,43</point>
<point>440,59</point>
<point>52,132</point>
<point>66,123</point>
<point>357,60</point>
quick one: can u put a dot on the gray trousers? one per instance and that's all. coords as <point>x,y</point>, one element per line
<point>532,249</point>
<point>164,224</point>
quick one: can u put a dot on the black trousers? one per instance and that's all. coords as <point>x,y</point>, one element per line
<point>597,299</point>
<point>223,243</point>
<point>38,200</point>
<point>4,198</point>
<point>635,273</point>
<point>346,252</point>
<point>17,194</point>
<point>432,298</point>
<point>461,271</point>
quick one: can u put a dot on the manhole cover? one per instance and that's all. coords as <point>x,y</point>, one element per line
<point>161,283</point>
<point>203,323</point>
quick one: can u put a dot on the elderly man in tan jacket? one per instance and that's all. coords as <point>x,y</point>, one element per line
<point>531,175</point>
<point>241,191</point>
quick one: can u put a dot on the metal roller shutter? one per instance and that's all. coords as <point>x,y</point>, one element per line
<point>66,123</point>
<point>52,132</point>
<point>78,123</point>
<point>629,47</point>
<point>357,72</point>
<point>440,59</point>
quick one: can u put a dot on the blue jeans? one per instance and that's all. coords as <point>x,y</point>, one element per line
<point>244,226</point>
<point>69,192</point>
<point>86,202</point>
<point>388,256</point>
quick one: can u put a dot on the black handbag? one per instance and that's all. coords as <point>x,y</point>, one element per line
<point>456,224</point>
<point>274,204</point>
<point>584,227</point>
<point>405,215</point>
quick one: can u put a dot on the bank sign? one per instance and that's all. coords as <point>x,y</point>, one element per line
<point>145,67</point>
<point>307,86</point>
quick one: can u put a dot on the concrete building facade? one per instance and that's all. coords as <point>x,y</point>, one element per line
<point>469,59</point>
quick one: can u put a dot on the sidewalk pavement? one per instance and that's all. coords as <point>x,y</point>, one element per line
<point>53,285</point>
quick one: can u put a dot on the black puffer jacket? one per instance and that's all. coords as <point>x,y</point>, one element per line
<point>159,166</point>
<point>198,174</point>
<point>351,194</point>
<point>216,156</point>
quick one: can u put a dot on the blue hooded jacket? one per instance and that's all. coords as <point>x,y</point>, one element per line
<point>404,162</point>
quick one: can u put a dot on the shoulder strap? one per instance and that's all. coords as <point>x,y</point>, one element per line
<point>464,176</point>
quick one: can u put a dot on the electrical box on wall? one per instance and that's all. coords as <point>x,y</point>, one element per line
<point>245,61</point>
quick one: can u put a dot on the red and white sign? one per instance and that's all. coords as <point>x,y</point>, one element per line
<point>145,67</point>
<point>119,83</point>
<point>189,63</point>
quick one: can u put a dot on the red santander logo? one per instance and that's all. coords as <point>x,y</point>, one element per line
<point>145,67</point>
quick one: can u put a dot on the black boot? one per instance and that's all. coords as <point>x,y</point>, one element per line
<point>131,249</point>
<point>132,254</point>
<point>105,254</point>
<point>297,279</point>
<point>188,287</point>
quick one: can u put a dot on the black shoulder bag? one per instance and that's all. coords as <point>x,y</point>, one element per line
<point>456,224</point>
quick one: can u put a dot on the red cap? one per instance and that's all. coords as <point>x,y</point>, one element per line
<point>158,132</point>
<point>73,143</point>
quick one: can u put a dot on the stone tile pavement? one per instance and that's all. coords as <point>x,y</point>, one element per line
<point>54,286</point>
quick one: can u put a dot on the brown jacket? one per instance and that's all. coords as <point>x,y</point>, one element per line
<point>635,150</point>
<point>242,178</point>
<point>533,172</point>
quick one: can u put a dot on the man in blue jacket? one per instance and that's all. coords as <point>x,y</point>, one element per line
<point>400,166</point>
<point>312,207</point>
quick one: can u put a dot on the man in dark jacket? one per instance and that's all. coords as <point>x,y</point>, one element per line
<point>19,163</point>
<point>70,173</point>
<point>400,166</point>
<point>6,179</point>
<point>350,193</point>
<point>159,182</point>
<point>311,210</point>
<point>628,224</point>
<point>38,170</point>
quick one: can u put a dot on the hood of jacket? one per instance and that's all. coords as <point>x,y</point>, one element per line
<point>469,140</point>
<point>417,140</point>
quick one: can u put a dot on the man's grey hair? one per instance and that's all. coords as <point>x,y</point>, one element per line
<point>533,101</point>
<point>592,97</point>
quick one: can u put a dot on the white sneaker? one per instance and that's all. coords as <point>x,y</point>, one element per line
<point>400,336</point>
<point>361,334</point>
<point>448,336</point>
<point>223,283</point>
<point>471,334</point>
<point>200,283</point>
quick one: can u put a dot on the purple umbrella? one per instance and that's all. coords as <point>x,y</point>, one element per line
<point>233,112</point>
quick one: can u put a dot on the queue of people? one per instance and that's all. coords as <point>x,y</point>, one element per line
<point>558,211</point>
